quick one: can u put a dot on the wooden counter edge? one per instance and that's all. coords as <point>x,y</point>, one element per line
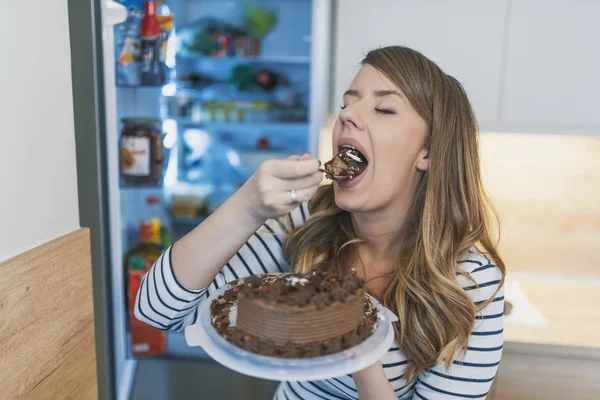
<point>555,350</point>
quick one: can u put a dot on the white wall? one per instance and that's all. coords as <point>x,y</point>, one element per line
<point>37,149</point>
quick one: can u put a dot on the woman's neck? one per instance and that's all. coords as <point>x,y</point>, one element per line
<point>381,231</point>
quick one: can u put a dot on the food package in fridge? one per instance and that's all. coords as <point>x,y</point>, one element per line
<point>128,45</point>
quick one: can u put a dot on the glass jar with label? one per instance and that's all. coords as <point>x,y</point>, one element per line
<point>141,152</point>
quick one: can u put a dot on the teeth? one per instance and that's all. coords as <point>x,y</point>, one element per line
<point>347,146</point>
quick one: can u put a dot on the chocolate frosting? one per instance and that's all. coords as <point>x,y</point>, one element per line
<point>294,315</point>
<point>319,288</point>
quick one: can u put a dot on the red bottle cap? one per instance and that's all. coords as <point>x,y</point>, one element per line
<point>150,24</point>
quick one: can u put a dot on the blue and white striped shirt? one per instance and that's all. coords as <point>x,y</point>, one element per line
<point>166,304</point>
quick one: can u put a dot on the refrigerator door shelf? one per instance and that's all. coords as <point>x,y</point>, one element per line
<point>271,368</point>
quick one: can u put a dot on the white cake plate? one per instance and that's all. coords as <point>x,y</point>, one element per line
<point>301,369</point>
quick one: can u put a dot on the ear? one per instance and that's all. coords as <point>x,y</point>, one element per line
<point>423,160</point>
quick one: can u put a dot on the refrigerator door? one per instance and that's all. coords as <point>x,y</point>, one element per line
<point>112,14</point>
<point>91,35</point>
<point>96,125</point>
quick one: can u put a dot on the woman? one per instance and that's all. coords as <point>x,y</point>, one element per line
<point>413,224</point>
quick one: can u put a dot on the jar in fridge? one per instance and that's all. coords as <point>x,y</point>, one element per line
<point>141,152</point>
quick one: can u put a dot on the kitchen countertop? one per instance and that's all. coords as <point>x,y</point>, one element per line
<point>571,306</point>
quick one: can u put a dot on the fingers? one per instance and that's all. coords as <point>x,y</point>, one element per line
<point>304,156</point>
<point>291,168</point>
<point>306,194</point>
<point>302,195</point>
<point>302,183</point>
<point>275,179</point>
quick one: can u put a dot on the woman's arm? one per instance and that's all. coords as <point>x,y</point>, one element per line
<point>165,299</point>
<point>199,256</point>
<point>166,304</point>
<point>372,384</point>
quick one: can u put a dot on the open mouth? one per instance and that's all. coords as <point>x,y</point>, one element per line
<point>347,164</point>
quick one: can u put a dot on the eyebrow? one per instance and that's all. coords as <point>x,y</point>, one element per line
<point>378,93</point>
<point>352,92</point>
<point>381,93</point>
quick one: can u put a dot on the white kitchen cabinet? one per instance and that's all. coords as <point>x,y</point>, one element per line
<point>528,66</point>
<point>464,38</point>
<point>553,66</point>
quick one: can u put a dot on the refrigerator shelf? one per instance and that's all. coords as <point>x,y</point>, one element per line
<point>131,187</point>
<point>219,126</point>
<point>218,87</point>
<point>265,59</point>
<point>182,220</point>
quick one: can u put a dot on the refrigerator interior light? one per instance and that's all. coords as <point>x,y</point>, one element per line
<point>169,89</point>
<point>170,129</point>
<point>233,157</point>
<point>198,140</point>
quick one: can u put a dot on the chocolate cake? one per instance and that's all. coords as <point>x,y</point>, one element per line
<point>294,316</point>
<point>348,163</point>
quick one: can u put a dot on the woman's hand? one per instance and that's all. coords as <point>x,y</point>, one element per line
<point>372,384</point>
<point>269,190</point>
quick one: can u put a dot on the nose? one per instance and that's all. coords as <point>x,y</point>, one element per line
<point>349,116</point>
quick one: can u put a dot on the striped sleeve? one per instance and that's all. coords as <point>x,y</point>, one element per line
<point>163,302</point>
<point>471,376</point>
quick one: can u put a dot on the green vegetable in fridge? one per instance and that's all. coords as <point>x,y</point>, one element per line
<point>259,20</point>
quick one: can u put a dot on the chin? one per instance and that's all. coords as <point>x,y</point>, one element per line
<point>352,195</point>
<point>347,200</point>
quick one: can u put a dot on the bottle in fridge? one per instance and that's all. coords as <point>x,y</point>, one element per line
<point>150,46</point>
<point>167,45</point>
<point>127,45</point>
<point>144,340</point>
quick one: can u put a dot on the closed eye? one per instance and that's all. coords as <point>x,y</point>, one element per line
<point>385,111</point>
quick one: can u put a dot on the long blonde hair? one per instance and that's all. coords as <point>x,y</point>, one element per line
<point>449,215</point>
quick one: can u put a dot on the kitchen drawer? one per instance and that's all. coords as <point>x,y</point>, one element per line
<point>531,376</point>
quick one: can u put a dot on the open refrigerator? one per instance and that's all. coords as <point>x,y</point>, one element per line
<point>235,93</point>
